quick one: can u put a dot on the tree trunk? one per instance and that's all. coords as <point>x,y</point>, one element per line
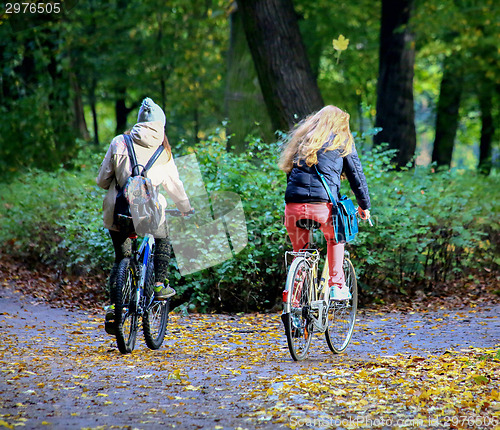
<point>93,108</point>
<point>60,104</point>
<point>3,83</point>
<point>395,112</point>
<point>279,55</point>
<point>196,123</point>
<point>27,72</point>
<point>244,105</point>
<point>163,91</point>
<point>93,79</point>
<point>79,123</point>
<point>487,127</point>
<point>447,117</point>
<point>160,53</point>
<point>121,112</point>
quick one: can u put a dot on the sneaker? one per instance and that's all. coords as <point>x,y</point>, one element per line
<point>163,292</point>
<point>109,322</point>
<point>340,292</point>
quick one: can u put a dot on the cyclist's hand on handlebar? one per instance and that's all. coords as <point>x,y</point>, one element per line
<point>364,213</point>
<point>185,214</point>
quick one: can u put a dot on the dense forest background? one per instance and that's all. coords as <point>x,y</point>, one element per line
<point>420,78</point>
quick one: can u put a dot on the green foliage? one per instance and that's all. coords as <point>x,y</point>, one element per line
<point>254,278</point>
<point>430,227</point>
<point>54,218</point>
<point>102,53</point>
<point>173,53</point>
<point>351,82</point>
<point>37,118</point>
<point>466,33</point>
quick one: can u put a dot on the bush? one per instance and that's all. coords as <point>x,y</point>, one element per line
<point>254,278</point>
<point>54,218</point>
<point>430,227</point>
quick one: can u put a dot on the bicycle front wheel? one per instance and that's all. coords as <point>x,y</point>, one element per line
<point>155,318</point>
<point>342,314</point>
<point>125,312</point>
<point>297,322</point>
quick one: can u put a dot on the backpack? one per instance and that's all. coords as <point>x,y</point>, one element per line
<point>137,200</point>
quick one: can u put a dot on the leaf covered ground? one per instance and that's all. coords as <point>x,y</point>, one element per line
<point>427,369</point>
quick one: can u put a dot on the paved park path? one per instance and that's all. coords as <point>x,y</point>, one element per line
<point>435,369</point>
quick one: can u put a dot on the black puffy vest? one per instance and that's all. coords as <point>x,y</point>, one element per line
<point>304,184</point>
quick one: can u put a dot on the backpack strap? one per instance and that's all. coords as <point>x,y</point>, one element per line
<point>152,160</point>
<point>133,158</point>
<point>131,154</point>
<point>335,208</point>
<point>327,188</point>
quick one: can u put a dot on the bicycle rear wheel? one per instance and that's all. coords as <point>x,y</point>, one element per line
<point>155,318</point>
<point>297,322</point>
<point>125,312</point>
<point>342,314</point>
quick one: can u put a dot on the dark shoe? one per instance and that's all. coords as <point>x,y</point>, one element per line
<point>109,323</point>
<point>163,292</point>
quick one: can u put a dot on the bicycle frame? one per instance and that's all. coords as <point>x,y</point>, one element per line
<point>319,291</point>
<point>308,306</point>
<point>134,297</point>
<point>142,256</point>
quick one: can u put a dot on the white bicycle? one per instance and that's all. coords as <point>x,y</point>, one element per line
<point>307,306</point>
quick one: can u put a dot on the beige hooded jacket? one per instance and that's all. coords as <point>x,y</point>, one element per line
<point>147,136</point>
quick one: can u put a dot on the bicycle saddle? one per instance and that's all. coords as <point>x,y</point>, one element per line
<point>308,224</point>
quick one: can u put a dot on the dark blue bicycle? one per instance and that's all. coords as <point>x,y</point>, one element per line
<point>133,297</point>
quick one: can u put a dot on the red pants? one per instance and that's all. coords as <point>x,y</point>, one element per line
<point>322,213</point>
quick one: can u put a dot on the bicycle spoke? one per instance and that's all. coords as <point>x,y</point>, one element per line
<point>342,314</point>
<point>155,323</point>
<point>125,312</point>
<point>155,318</point>
<point>298,327</point>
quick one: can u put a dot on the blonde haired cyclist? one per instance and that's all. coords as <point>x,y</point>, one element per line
<point>323,141</point>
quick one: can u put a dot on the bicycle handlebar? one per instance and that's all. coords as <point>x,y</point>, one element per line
<point>171,212</point>
<point>369,220</point>
<point>178,213</point>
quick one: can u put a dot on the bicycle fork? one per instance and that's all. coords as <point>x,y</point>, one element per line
<point>145,252</point>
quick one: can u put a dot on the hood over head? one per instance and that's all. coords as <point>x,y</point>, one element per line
<point>148,134</point>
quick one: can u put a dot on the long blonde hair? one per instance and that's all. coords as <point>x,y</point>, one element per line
<point>304,141</point>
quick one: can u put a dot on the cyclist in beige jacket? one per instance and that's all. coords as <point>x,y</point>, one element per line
<point>147,135</point>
